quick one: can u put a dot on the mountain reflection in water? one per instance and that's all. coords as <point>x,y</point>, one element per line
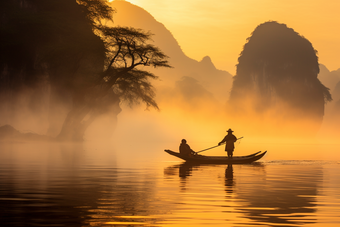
<point>76,185</point>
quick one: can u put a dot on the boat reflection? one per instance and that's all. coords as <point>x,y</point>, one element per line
<point>263,194</point>
<point>73,185</point>
<point>183,170</point>
<point>229,179</point>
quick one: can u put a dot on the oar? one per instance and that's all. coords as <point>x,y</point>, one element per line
<point>208,149</point>
<point>214,146</point>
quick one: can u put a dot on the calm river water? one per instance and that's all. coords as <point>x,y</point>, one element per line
<point>94,185</point>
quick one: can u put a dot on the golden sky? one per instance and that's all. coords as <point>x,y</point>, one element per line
<point>219,29</point>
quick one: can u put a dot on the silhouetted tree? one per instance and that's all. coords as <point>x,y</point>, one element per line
<point>75,57</point>
<point>88,67</point>
<point>277,71</point>
<point>49,42</point>
<point>127,51</point>
<point>37,34</point>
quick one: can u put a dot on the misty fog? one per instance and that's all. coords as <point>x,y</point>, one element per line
<point>193,98</point>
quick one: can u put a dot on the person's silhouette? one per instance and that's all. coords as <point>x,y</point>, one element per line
<point>229,139</point>
<point>185,149</point>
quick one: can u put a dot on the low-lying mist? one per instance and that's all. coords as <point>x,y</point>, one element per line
<point>279,96</point>
<point>187,110</point>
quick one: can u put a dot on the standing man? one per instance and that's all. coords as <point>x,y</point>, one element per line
<point>229,139</point>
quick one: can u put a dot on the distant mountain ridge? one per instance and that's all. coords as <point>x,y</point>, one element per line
<point>191,84</point>
<point>214,80</point>
<point>131,15</point>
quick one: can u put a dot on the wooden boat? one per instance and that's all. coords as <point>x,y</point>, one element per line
<point>218,159</point>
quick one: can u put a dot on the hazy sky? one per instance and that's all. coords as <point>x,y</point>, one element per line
<point>219,28</point>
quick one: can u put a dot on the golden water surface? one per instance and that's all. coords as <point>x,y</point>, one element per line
<point>96,185</point>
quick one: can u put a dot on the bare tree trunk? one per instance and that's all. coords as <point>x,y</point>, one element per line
<point>82,115</point>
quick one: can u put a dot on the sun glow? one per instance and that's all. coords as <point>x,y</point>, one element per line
<point>221,28</point>
<point>135,2</point>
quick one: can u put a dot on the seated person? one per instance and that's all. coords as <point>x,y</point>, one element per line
<point>185,149</point>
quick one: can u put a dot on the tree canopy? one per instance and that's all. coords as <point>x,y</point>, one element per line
<point>126,50</point>
<point>88,65</point>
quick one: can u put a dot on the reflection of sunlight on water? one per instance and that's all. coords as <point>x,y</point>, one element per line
<point>268,195</point>
<point>101,184</point>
